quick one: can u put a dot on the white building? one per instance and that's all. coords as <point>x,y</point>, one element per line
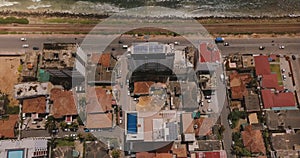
<point>25,148</point>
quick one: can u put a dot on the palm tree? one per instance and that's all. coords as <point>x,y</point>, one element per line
<point>50,124</point>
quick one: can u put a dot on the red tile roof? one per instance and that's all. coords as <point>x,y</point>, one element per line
<point>34,105</point>
<point>271,81</point>
<point>180,151</point>
<point>208,53</point>
<point>277,100</point>
<point>253,140</point>
<point>262,65</point>
<point>142,88</point>
<point>153,155</point>
<point>7,127</point>
<point>144,155</point>
<point>99,99</point>
<point>211,154</point>
<point>102,59</point>
<point>163,155</point>
<point>63,103</point>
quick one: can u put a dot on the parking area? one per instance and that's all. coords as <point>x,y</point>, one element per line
<point>295,65</point>
<point>286,74</point>
<point>32,123</point>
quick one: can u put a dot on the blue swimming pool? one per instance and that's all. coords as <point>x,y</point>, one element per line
<point>132,123</point>
<point>15,153</point>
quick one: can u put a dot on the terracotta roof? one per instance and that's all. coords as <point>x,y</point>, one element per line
<point>163,155</point>
<point>7,127</point>
<point>238,84</point>
<point>99,120</point>
<point>180,151</point>
<point>144,155</point>
<point>142,88</point>
<point>34,105</point>
<point>105,60</point>
<point>187,123</point>
<point>253,140</point>
<point>63,103</point>
<point>208,54</point>
<point>277,100</point>
<point>262,65</point>
<point>99,99</point>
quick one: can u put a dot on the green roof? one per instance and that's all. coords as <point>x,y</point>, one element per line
<point>43,76</point>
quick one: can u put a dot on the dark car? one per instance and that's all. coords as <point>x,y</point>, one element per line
<point>293,57</point>
<point>86,130</point>
<point>35,48</point>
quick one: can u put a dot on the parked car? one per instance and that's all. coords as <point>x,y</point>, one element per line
<point>230,122</point>
<point>261,47</point>
<point>35,48</point>
<point>207,97</point>
<point>86,130</point>
<point>25,45</point>
<point>281,47</point>
<point>219,39</point>
<point>293,57</point>
<point>23,39</point>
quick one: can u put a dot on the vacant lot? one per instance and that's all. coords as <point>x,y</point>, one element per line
<point>9,76</point>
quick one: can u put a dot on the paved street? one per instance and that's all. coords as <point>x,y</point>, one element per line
<point>13,44</point>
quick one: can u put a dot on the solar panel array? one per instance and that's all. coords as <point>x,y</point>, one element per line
<point>148,48</point>
<point>173,132</point>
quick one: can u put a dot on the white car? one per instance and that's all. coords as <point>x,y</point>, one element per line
<point>23,39</point>
<point>176,43</point>
<point>281,47</point>
<point>25,45</point>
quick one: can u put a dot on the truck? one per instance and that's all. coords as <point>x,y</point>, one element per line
<point>219,39</point>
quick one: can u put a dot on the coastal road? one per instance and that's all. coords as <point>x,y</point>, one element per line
<point>13,44</point>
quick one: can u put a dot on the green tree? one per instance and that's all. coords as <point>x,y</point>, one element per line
<point>50,124</point>
<point>74,125</point>
<point>79,120</point>
<point>115,153</point>
<point>63,125</point>
<point>90,137</point>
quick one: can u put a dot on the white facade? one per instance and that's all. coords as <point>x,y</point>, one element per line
<point>31,147</point>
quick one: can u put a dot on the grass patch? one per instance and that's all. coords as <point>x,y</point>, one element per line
<point>12,110</point>
<point>275,68</point>
<point>63,142</point>
<point>71,21</point>
<point>11,20</point>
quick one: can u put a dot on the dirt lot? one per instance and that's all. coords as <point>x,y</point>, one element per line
<point>9,76</point>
